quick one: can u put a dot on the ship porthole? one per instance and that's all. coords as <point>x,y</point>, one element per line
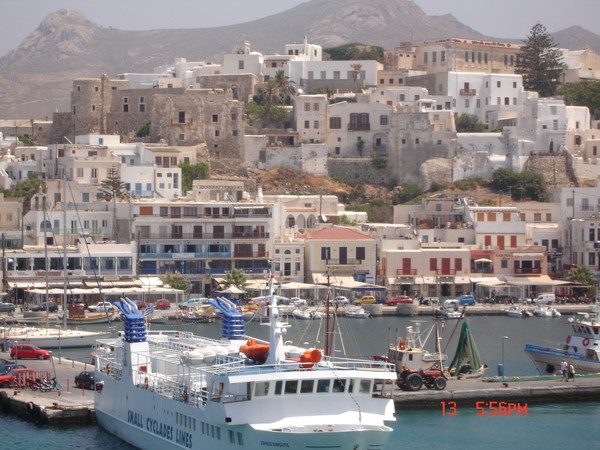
<point>550,368</point>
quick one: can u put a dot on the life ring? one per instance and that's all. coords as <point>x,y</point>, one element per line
<point>146,383</point>
<point>568,339</point>
<point>401,344</point>
<point>586,342</point>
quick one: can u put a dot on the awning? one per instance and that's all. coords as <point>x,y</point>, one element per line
<point>483,279</point>
<point>483,260</point>
<point>462,280</point>
<point>527,255</point>
<point>424,280</point>
<point>151,281</point>
<point>542,280</point>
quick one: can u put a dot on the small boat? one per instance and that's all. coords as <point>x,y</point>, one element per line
<point>91,318</point>
<point>546,311</point>
<point>200,314</point>
<point>447,313</point>
<point>306,314</point>
<point>581,347</point>
<point>358,313</point>
<point>518,312</point>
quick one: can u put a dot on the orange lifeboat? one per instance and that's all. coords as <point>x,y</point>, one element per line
<point>256,352</point>
<point>310,356</point>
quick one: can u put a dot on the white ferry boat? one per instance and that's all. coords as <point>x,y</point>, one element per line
<point>177,390</point>
<point>581,348</point>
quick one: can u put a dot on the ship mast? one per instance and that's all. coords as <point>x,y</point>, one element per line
<point>276,328</point>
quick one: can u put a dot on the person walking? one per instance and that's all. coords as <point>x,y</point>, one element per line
<point>564,369</point>
<point>571,373</point>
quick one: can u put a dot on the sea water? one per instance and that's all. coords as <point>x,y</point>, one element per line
<point>499,339</point>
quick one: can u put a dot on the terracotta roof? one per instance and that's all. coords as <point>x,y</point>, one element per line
<point>338,234</point>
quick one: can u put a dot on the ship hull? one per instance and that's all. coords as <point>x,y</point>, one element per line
<point>547,360</point>
<point>150,421</point>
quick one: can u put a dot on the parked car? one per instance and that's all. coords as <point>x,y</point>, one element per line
<point>140,304</point>
<point>87,380</point>
<point>13,375</point>
<point>193,302</point>
<point>29,351</point>
<point>162,303</point>
<point>7,368</point>
<point>52,307</point>
<point>467,299</point>
<point>366,300</point>
<point>399,300</point>
<point>101,307</point>
<point>340,300</point>
<point>7,307</point>
<point>298,302</point>
<point>542,299</point>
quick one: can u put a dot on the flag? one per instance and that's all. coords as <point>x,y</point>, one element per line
<point>149,311</point>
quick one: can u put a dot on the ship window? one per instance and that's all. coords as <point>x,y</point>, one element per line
<point>240,438</point>
<point>323,385</point>
<point>261,388</point>
<point>291,387</point>
<point>232,436</point>
<point>339,385</point>
<point>364,387</point>
<point>278,385</point>
<point>306,386</point>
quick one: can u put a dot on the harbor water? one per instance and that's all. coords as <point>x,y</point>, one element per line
<point>545,425</point>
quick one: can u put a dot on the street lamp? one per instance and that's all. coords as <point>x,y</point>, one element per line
<point>504,338</point>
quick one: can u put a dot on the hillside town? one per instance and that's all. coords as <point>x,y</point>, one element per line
<point>388,123</point>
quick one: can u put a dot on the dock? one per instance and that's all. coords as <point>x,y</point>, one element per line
<point>72,406</point>
<point>76,406</point>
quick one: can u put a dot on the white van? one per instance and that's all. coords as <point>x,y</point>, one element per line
<point>545,299</point>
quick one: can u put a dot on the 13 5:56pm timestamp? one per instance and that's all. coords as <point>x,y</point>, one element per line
<point>489,409</point>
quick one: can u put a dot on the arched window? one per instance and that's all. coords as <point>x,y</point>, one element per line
<point>45,225</point>
<point>291,221</point>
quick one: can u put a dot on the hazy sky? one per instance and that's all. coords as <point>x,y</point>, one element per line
<point>501,19</point>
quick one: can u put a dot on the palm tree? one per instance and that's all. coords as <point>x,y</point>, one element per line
<point>285,87</point>
<point>583,275</point>
<point>356,71</point>
<point>235,278</point>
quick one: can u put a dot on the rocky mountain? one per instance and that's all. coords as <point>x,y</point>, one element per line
<point>35,78</point>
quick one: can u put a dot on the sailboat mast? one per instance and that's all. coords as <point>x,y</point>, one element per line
<point>65,260</point>
<point>46,262</point>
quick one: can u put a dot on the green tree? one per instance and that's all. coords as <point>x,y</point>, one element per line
<point>468,123</point>
<point>25,140</point>
<point>522,186</point>
<point>113,188</point>
<point>406,193</point>
<point>285,87</point>
<point>235,278</point>
<point>356,71</point>
<point>583,275</point>
<point>143,130</point>
<point>540,62</point>
<point>360,146</point>
<point>176,281</point>
<point>355,51</point>
<point>191,172</point>
<point>583,93</point>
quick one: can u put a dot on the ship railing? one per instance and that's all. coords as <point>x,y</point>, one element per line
<point>554,351</point>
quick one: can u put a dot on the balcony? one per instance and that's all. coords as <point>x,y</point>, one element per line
<point>468,92</point>
<point>243,254</point>
<point>446,272</point>
<point>528,270</point>
<point>406,271</point>
<point>359,127</point>
<point>250,235</point>
<point>343,262</point>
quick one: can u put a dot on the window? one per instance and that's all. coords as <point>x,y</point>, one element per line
<point>307,124</point>
<point>337,150</point>
<point>335,123</point>
<point>306,106</point>
<point>240,64</point>
<point>467,103</point>
<point>360,253</point>
<point>323,74</point>
<point>125,108</point>
<point>93,107</point>
<point>359,121</point>
<point>425,57</point>
<point>336,74</point>
<point>142,108</point>
<point>325,253</point>
<point>315,106</point>
<point>215,118</point>
<point>383,120</point>
<point>181,117</point>
<point>217,133</point>
<point>443,55</point>
<point>316,124</point>
<point>433,56</point>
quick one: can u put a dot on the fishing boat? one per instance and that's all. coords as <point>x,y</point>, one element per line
<point>518,312</point>
<point>171,389</point>
<point>546,311</point>
<point>581,347</point>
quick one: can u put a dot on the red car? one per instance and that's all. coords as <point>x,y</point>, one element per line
<point>162,303</point>
<point>29,351</point>
<point>18,376</point>
<point>398,300</point>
